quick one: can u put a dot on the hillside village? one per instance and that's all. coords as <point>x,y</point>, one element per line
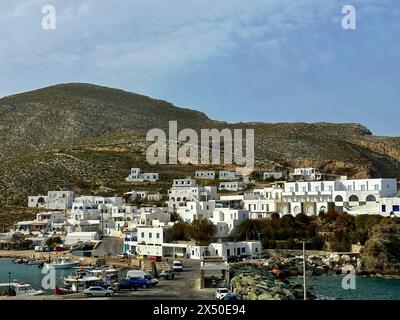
<point>221,200</point>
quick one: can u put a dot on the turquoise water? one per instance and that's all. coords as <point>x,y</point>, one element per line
<point>367,288</point>
<point>28,273</point>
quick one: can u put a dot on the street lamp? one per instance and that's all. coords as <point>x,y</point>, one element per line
<point>9,283</point>
<point>304,267</point>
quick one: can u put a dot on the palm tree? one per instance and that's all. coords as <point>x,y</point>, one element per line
<point>248,229</point>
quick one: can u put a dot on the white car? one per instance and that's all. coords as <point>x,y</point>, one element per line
<point>177,265</point>
<point>220,293</point>
<point>98,292</point>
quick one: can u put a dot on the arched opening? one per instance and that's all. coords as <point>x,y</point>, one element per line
<point>172,199</point>
<point>338,199</point>
<point>178,199</point>
<point>296,209</point>
<point>310,210</point>
<point>41,200</point>
<point>284,210</point>
<point>207,253</point>
<point>371,198</point>
<point>353,198</point>
<point>322,209</point>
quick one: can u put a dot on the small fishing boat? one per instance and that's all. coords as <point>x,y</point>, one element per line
<point>36,262</point>
<point>19,289</point>
<point>62,263</point>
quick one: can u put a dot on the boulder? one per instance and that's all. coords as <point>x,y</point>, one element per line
<point>266,296</point>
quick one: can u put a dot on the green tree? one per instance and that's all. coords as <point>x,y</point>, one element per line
<point>201,231</point>
<point>364,224</point>
<point>179,231</point>
<point>52,241</point>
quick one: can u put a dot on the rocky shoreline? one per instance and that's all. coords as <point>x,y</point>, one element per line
<point>272,279</point>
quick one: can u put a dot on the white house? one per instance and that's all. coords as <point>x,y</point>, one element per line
<point>195,210</point>
<point>316,196</point>
<point>274,175</point>
<point>55,200</point>
<point>205,174</point>
<point>227,175</point>
<point>232,186</point>
<point>184,190</point>
<point>137,176</point>
<point>306,174</point>
<point>227,219</point>
<point>226,249</point>
<point>76,237</point>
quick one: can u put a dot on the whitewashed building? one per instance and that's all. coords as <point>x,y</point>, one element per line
<point>340,195</point>
<point>55,200</point>
<point>196,210</point>
<point>232,186</point>
<point>137,176</point>
<point>205,174</point>
<point>227,175</point>
<point>227,219</point>
<point>306,174</point>
<point>226,249</point>
<point>274,175</point>
<point>76,237</point>
<point>184,190</point>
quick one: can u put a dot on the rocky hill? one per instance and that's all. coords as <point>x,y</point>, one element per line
<point>86,137</point>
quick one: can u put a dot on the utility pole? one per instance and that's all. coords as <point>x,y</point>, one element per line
<point>304,270</point>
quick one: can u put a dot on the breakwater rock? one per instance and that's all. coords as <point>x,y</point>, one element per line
<point>255,282</point>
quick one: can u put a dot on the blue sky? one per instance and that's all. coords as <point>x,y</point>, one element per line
<point>235,60</point>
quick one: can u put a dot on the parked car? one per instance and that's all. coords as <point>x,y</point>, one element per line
<point>58,249</point>
<point>142,274</point>
<point>141,282</point>
<point>177,265</point>
<point>167,274</point>
<point>97,291</point>
<point>105,285</point>
<point>127,284</point>
<point>122,255</point>
<point>220,293</point>
<point>231,297</point>
<point>158,259</point>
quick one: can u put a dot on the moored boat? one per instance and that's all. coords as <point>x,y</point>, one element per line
<point>62,263</point>
<point>19,289</point>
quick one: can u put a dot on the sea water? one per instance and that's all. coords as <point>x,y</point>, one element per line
<point>30,274</point>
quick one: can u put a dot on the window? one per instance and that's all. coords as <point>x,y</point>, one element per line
<point>363,187</point>
<point>216,252</point>
<point>243,250</point>
<point>383,208</point>
<point>158,235</point>
<point>304,189</point>
<point>150,235</point>
<point>142,234</point>
<point>291,189</point>
<point>396,208</point>
<point>256,249</point>
<point>349,188</point>
<point>376,187</point>
<point>317,188</point>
